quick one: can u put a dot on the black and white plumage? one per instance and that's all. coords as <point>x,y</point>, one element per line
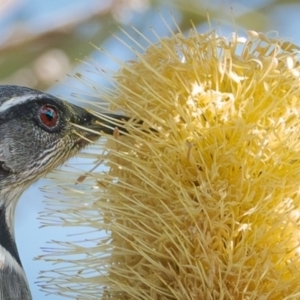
<point>38,133</point>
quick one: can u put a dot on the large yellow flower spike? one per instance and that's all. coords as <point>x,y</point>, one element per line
<point>201,201</point>
<point>207,206</point>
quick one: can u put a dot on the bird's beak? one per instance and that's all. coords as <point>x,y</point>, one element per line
<point>90,125</point>
<point>108,123</point>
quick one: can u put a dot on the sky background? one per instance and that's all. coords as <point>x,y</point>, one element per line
<point>44,44</point>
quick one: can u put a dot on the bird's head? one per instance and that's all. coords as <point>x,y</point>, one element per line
<point>39,132</point>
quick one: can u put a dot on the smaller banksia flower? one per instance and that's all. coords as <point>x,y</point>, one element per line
<point>202,200</point>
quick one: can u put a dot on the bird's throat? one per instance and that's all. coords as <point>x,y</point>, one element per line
<point>13,281</point>
<point>7,241</point>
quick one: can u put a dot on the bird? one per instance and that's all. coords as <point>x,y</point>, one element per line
<point>38,133</point>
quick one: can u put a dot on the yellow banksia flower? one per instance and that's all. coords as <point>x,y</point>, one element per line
<point>202,200</point>
<point>207,206</point>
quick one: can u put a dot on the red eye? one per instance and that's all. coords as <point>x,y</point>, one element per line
<point>48,116</point>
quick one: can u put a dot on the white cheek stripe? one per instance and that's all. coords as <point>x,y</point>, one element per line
<point>6,260</point>
<point>17,100</point>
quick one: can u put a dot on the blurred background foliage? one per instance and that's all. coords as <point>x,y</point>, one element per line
<point>47,44</point>
<point>42,41</point>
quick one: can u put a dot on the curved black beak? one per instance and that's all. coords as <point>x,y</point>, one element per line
<point>108,123</point>
<point>90,126</point>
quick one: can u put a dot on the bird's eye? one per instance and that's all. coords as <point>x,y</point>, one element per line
<point>48,116</point>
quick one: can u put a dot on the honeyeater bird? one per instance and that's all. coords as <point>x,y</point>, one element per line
<point>38,132</point>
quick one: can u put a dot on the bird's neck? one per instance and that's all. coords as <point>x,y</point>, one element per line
<point>13,281</point>
<point>8,247</point>
<point>9,197</point>
<point>7,242</point>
